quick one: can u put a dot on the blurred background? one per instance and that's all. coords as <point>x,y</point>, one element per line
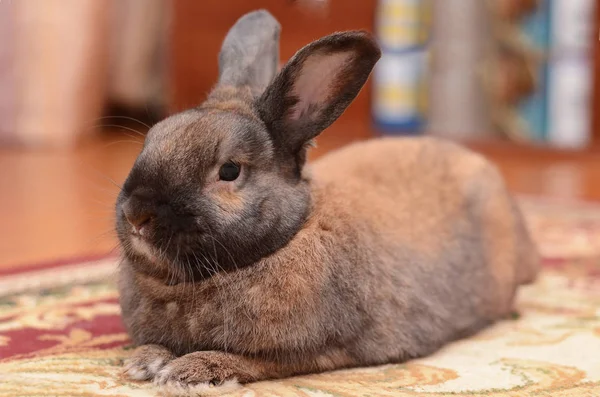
<point>81,81</point>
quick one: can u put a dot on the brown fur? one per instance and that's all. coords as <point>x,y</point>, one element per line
<point>389,250</point>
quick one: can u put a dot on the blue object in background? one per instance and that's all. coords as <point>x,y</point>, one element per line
<point>534,110</point>
<point>558,112</point>
<point>537,26</point>
<point>536,30</point>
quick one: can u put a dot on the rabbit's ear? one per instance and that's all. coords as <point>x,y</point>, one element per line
<point>250,52</point>
<point>314,88</point>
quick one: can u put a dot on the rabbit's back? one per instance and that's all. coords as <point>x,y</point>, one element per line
<point>423,188</point>
<point>445,235</point>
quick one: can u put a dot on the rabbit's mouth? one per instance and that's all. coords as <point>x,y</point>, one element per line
<point>141,246</point>
<point>167,250</point>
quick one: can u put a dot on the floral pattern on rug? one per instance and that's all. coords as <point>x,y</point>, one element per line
<point>69,341</point>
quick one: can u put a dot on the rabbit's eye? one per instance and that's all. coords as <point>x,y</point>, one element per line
<point>229,171</point>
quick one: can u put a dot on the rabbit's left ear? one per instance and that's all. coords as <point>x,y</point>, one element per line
<point>250,52</point>
<point>315,87</point>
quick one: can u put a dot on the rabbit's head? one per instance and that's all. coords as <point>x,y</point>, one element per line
<point>221,185</point>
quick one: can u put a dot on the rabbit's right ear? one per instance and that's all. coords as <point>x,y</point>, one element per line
<point>314,88</point>
<point>250,52</point>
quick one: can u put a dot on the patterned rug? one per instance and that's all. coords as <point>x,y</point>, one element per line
<point>60,332</point>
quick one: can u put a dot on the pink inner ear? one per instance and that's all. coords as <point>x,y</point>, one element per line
<point>317,80</point>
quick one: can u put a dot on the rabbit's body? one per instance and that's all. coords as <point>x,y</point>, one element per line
<point>239,264</point>
<point>411,243</point>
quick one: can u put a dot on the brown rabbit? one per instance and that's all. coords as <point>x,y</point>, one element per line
<point>241,265</point>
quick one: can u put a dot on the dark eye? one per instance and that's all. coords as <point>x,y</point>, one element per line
<point>229,171</point>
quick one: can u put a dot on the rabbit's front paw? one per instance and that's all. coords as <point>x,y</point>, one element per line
<point>199,373</point>
<point>146,361</point>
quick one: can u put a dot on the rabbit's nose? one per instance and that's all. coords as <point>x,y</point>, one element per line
<point>137,218</point>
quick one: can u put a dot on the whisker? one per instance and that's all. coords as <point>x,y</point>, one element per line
<point>224,277</point>
<point>193,287</point>
<point>176,267</point>
<point>102,175</point>
<point>226,250</point>
<point>119,126</point>
<point>124,118</point>
<point>140,143</point>
<point>103,235</point>
<point>217,280</point>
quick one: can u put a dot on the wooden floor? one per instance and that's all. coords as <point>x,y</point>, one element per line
<point>60,205</point>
